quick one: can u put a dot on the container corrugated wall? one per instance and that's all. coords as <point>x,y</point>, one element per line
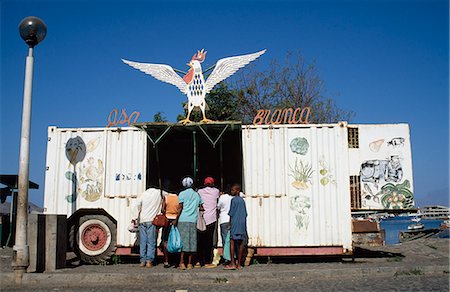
<point>296,185</point>
<point>96,168</point>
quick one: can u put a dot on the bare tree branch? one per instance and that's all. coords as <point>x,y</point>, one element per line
<point>294,84</point>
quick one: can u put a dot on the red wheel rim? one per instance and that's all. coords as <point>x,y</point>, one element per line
<point>94,237</point>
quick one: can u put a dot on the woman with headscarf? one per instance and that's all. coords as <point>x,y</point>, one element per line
<point>189,202</point>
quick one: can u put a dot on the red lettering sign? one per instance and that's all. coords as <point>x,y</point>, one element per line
<point>287,115</point>
<point>115,119</point>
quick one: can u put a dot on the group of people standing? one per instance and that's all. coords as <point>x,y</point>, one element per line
<point>226,211</point>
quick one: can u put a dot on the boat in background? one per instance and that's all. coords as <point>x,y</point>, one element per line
<point>416,226</point>
<point>445,224</point>
<point>417,230</point>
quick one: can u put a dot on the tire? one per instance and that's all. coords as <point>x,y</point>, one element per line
<point>93,239</point>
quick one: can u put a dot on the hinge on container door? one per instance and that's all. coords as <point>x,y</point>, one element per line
<point>260,201</point>
<point>49,139</point>
<point>47,168</point>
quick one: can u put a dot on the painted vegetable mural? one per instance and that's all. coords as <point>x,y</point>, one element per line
<point>301,205</point>
<point>326,176</point>
<point>299,145</point>
<point>301,171</point>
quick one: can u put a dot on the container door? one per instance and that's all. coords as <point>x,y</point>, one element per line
<point>296,186</point>
<point>125,178</point>
<point>101,168</point>
<point>126,168</point>
<point>75,171</point>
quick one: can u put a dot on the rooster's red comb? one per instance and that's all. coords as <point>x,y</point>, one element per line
<point>200,56</point>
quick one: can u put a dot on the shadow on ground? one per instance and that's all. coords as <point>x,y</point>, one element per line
<point>359,253</point>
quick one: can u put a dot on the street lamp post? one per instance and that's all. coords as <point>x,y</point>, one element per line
<point>33,31</point>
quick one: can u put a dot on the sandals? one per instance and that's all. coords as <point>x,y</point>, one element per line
<point>189,267</point>
<point>182,267</point>
<point>228,267</point>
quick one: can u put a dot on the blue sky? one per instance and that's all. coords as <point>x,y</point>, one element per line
<point>388,61</point>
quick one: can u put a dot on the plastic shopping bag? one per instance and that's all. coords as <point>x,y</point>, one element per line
<point>226,248</point>
<point>174,242</point>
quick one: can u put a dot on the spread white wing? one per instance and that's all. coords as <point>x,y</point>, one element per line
<point>162,72</point>
<point>228,66</point>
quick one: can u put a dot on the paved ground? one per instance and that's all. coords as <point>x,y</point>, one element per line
<point>421,265</point>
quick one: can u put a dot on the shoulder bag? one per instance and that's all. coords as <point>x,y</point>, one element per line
<point>201,224</point>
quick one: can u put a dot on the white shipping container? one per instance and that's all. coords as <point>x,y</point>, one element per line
<point>296,186</point>
<point>296,178</point>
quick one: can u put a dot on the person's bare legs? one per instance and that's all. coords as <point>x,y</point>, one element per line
<point>240,253</point>
<point>166,254</point>
<point>190,259</point>
<point>232,261</point>
<point>182,266</point>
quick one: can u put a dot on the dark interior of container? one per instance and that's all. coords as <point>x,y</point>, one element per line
<point>173,157</point>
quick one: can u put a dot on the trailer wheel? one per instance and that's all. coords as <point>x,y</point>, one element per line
<point>94,240</point>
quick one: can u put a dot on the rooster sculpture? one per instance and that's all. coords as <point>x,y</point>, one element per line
<point>193,84</point>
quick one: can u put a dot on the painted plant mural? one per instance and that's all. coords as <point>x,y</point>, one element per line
<point>397,196</point>
<point>87,178</point>
<point>75,150</point>
<point>301,206</point>
<point>326,176</point>
<point>301,171</point>
<point>91,185</point>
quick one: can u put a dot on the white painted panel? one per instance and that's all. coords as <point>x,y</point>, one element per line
<point>75,170</point>
<point>286,207</point>
<point>107,171</point>
<point>125,172</point>
<point>384,162</point>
